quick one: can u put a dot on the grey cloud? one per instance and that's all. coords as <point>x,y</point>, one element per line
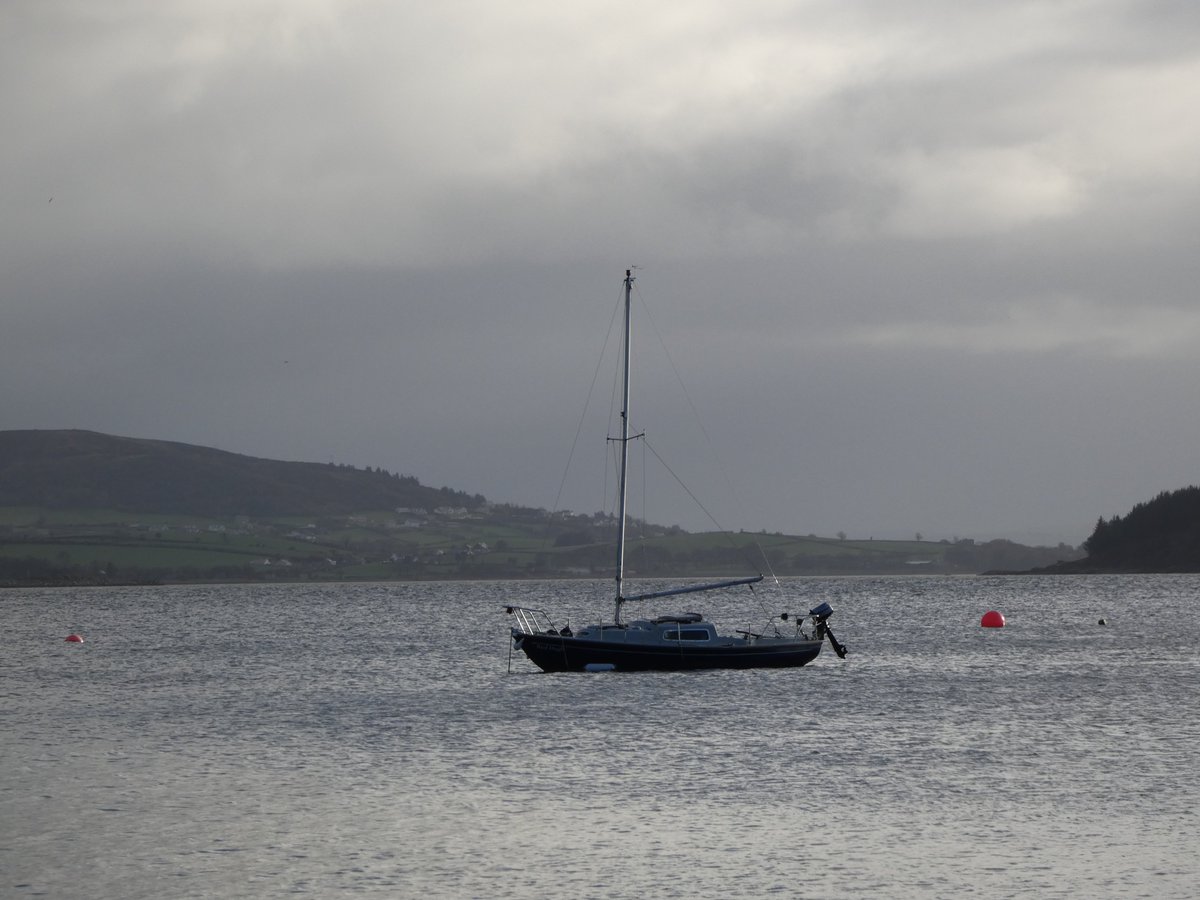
<point>930,266</point>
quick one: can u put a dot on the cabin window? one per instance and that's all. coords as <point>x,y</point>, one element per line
<point>686,634</point>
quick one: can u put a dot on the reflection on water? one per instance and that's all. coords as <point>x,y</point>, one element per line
<point>252,741</point>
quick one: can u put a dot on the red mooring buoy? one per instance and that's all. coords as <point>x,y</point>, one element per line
<point>73,639</point>
<point>992,619</point>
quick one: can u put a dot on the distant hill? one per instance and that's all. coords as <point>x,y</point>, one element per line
<point>78,507</point>
<point>85,469</point>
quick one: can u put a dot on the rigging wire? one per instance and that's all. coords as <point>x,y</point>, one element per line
<point>761,604</point>
<point>679,481</point>
<point>707,439</point>
<point>583,415</point>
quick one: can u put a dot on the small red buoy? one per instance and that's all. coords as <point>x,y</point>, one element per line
<point>992,619</point>
<point>73,639</point>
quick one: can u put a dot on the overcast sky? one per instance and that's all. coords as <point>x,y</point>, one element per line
<point>921,266</point>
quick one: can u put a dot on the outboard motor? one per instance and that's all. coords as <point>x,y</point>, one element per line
<point>822,612</point>
<point>820,616</point>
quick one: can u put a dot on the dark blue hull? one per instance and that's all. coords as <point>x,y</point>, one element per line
<point>554,653</point>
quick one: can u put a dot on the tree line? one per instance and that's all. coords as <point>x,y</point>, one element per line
<point>1161,535</point>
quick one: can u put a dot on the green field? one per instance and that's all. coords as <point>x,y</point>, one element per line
<point>90,545</point>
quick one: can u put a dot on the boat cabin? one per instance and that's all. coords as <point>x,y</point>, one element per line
<point>688,628</point>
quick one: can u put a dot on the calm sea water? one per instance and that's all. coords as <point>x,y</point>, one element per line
<point>250,741</point>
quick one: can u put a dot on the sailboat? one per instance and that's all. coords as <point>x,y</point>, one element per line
<point>682,641</point>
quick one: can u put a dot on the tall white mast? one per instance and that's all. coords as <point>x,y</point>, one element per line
<point>621,524</point>
<point>624,453</point>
